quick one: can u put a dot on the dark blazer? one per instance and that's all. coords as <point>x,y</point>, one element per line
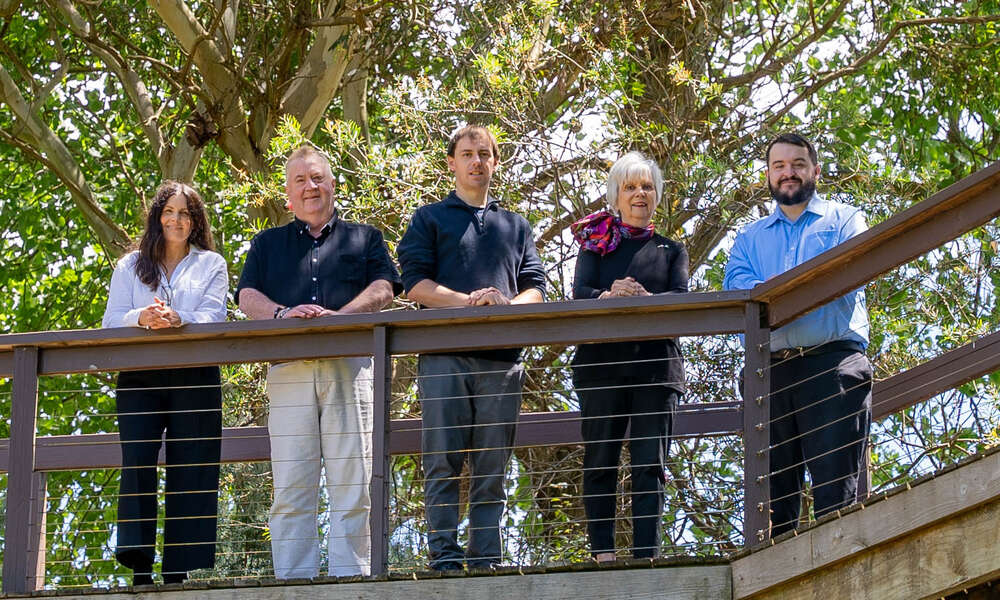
<point>661,266</point>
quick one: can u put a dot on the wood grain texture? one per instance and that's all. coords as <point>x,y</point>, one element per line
<point>756,435</point>
<point>945,372</point>
<point>864,532</point>
<point>930,563</point>
<point>665,583</point>
<point>381,470</point>
<point>367,321</point>
<point>17,573</point>
<point>36,531</point>
<point>127,348</point>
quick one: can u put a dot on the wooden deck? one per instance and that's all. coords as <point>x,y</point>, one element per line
<point>668,579</point>
<point>937,537</point>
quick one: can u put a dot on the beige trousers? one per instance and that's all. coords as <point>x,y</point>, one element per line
<point>320,416</point>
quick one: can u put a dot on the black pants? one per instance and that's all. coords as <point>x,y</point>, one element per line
<point>192,419</point>
<point>608,408</point>
<point>820,417</point>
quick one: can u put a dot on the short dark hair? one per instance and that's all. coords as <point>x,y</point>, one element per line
<point>795,140</point>
<point>473,131</point>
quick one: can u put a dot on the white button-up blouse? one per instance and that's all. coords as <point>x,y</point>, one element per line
<point>196,290</point>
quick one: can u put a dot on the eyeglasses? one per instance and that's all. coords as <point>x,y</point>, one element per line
<point>168,292</point>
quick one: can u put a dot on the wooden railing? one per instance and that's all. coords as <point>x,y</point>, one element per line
<point>24,357</point>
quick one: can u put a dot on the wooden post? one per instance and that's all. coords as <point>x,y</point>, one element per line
<point>18,576</point>
<point>756,431</point>
<point>379,518</point>
<point>36,531</point>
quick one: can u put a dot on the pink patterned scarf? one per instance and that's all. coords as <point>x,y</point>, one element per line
<point>602,231</point>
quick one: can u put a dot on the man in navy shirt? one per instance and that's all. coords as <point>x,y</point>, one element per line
<point>821,381</point>
<point>321,410</point>
<point>468,251</point>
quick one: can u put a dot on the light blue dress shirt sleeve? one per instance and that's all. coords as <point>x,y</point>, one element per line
<point>740,273</point>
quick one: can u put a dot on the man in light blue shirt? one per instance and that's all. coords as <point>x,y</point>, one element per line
<point>820,400</point>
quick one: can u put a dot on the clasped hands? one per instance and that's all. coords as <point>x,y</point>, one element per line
<point>159,316</point>
<point>625,287</point>
<point>487,296</point>
<point>306,311</point>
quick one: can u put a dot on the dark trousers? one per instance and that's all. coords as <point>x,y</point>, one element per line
<point>192,419</point>
<point>470,408</point>
<point>608,407</point>
<point>820,417</point>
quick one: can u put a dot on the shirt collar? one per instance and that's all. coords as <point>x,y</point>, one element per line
<point>454,200</point>
<point>303,227</point>
<point>816,206</point>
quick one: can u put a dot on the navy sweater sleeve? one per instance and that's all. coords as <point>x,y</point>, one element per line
<point>251,276</point>
<point>679,271</point>
<point>416,250</point>
<point>531,273</point>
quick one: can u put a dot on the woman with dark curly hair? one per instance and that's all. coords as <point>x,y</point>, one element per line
<point>174,278</point>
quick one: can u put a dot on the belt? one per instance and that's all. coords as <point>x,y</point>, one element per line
<point>839,346</point>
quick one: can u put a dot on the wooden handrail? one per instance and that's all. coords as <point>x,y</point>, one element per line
<point>889,396</point>
<point>451,329</point>
<point>83,452</point>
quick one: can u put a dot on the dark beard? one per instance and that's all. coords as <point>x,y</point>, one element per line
<point>804,193</point>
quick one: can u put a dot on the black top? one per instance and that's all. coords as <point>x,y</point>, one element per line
<point>448,243</point>
<point>661,266</point>
<point>290,267</point>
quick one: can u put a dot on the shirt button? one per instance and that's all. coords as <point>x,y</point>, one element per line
<point>314,260</point>
<point>314,298</point>
<point>314,279</point>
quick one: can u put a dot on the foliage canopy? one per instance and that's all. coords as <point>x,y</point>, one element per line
<point>99,101</point>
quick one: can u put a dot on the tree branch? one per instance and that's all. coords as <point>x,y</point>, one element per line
<point>9,7</point>
<point>876,50</point>
<point>767,69</point>
<point>133,85</point>
<point>218,83</point>
<point>320,75</point>
<point>50,149</point>
<point>354,94</point>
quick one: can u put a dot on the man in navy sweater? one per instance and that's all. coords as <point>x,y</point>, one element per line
<point>468,251</point>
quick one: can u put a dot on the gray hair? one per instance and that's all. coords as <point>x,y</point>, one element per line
<point>632,166</point>
<point>306,151</point>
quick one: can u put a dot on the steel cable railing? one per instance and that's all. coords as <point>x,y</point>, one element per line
<point>543,496</point>
<point>519,544</point>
